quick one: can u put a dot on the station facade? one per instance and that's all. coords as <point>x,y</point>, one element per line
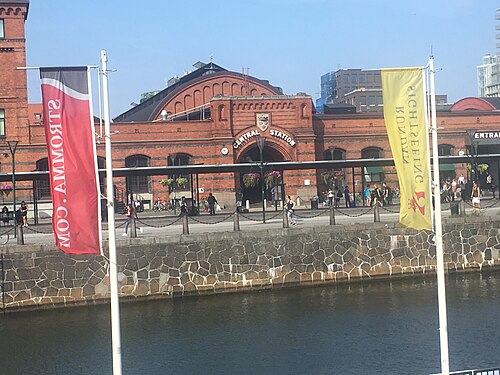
<point>214,116</point>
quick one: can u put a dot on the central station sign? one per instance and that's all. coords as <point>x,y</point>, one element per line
<point>273,133</point>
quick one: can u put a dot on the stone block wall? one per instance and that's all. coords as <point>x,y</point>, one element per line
<point>41,276</point>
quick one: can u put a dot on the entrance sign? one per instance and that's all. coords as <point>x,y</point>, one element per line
<point>244,138</point>
<point>405,119</point>
<point>283,136</point>
<point>273,133</point>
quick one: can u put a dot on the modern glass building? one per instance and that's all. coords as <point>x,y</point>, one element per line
<point>337,86</point>
<point>488,77</point>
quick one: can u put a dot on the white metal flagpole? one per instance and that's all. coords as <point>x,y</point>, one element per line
<point>438,230</point>
<point>113,273</point>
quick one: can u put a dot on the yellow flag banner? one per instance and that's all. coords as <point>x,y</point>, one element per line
<point>404,114</point>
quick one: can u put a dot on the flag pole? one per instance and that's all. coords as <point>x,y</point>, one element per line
<point>113,274</point>
<point>438,230</point>
<point>96,167</point>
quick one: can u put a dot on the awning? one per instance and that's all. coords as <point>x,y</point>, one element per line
<point>446,167</point>
<point>374,170</point>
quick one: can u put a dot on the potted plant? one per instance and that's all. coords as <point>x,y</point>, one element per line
<point>336,177</point>
<point>482,168</point>
<point>272,179</point>
<point>181,182</point>
<point>326,176</point>
<point>5,190</point>
<point>251,179</point>
<point>166,182</point>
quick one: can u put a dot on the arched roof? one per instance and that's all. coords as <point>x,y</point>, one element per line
<point>185,90</point>
<point>199,91</point>
<point>474,104</point>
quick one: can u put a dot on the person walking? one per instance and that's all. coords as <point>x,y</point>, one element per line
<point>289,210</point>
<point>347,196</point>
<point>211,203</point>
<point>386,193</point>
<point>476,195</point>
<point>129,211</point>
<point>338,195</point>
<point>330,197</point>
<point>184,210</point>
<point>5,215</point>
<point>377,196</point>
<point>368,195</point>
<point>489,184</point>
<point>24,212</point>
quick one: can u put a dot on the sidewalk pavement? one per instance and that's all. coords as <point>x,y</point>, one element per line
<point>160,224</point>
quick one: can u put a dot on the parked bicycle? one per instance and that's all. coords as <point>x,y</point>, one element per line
<point>158,206</point>
<point>161,206</point>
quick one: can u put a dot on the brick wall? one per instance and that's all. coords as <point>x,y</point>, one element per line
<point>13,85</point>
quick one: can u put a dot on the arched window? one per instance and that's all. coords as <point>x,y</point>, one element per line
<point>334,153</point>
<point>371,153</point>
<point>137,184</point>
<point>446,150</point>
<point>372,173</point>
<point>42,186</point>
<point>334,176</point>
<point>446,171</point>
<point>180,159</point>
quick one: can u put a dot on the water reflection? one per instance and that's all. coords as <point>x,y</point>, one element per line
<point>379,326</point>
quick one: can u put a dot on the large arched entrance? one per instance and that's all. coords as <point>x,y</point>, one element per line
<point>250,184</point>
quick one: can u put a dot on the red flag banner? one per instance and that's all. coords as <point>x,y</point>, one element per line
<point>69,134</point>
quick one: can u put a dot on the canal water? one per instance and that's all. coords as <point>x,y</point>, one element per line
<point>377,327</point>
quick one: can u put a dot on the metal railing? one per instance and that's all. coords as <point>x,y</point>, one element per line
<point>253,220</point>
<point>487,371</point>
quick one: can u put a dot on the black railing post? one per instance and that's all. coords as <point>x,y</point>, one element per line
<point>133,226</point>
<point>332,215</point>
<point>376,213</point>
<point>185,224</point>
<point>236,222</point>
<point>286,224</point>
<point>20,234</point>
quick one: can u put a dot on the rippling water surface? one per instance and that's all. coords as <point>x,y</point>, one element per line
<point>377,327</point>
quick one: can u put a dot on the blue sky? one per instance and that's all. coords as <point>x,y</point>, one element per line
<point>291,43</point>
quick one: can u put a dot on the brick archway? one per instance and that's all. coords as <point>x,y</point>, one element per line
<point>250,153</point>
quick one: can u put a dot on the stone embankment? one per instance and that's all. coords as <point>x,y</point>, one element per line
<point>41,276</point>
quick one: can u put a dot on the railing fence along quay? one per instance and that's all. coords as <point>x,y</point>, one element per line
<point>156,224</point>
<point>489,371</point>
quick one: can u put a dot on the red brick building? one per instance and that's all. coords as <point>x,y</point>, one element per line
<point>13,83</point>
<point>213,116</point>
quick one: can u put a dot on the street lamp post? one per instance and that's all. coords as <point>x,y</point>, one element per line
<point>12,147</point>
<point>473,152</point>
<point>172,157</point>
<point>261,141</point>
<point>332,152</point>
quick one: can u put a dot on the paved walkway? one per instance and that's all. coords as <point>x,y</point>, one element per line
<point>158,224</point>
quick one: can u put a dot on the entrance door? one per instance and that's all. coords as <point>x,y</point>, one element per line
<point>493,167</point>
<point>250,184</point>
